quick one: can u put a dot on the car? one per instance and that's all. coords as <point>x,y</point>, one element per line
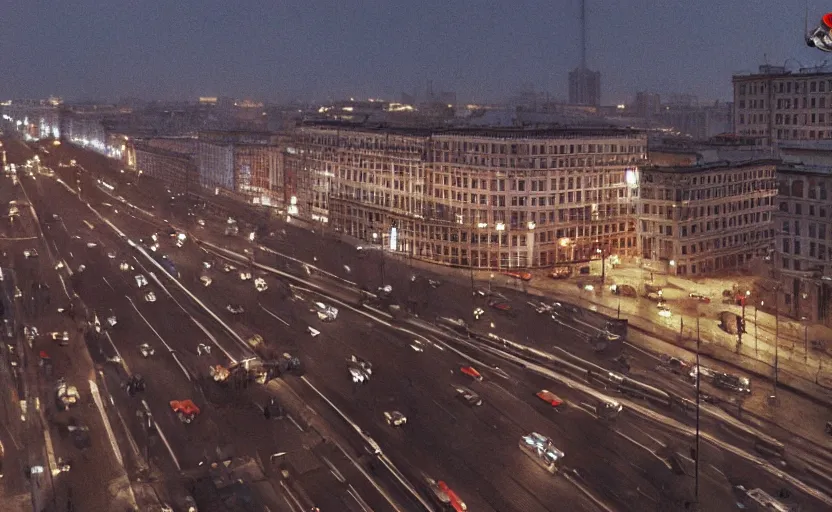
<point>468,396</point>
<point>30,253</point>
<point>235,309</point>
<point>325,312</point>
<point>8,329</point>
<point>111,255</point>
<point>186,410</point>
<point>549,397</point>
<point>245,276</point>
<point>260,284</point>
<point>500,305</point>
<point>395,418</point>
<point>124,266</point>
<point>675,365</point>
<point>140,281</point>
<point>365,365</point>
<point>80,435</point>
<point>542,450</point>
<point>524,276</point>
<point>701,298</point>
<point>61,337</point>
<point>91,245</point>
<point>200,222</point>
<point>111,319</point>
<point>206,281</point>
<point>207,265</point>
<point>228,268</point>
<point>30,333</point>
<point>66,395</point>
<point>146,350</point>
<point>471,372</point>
<point>446,497</point>
<point>150,297</point>
<point>358,375</point>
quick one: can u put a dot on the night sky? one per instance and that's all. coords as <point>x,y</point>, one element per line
<point>321,49</point>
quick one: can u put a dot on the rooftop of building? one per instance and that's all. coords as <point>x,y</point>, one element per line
<point>500,132</point>
<point>768,71</point>
<point>713,166</point>
<point>144,147</point>
<point>806,145</point>
<point>805,170</point>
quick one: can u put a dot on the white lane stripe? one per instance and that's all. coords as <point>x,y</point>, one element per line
<point>172,352</point>
<point>162,436</point>
<point>273,315</point>
<point>115,348</point>
<point>96,396</point>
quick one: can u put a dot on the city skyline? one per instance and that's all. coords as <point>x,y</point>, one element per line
<point>190,50</point>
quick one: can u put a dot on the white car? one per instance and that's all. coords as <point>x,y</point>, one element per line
<point>358,375</point>
<point>260,284</point>
<point>325,312</point>
<point>206,264</point>
<point>61,337</point>
<point>395,418</point>
<point>91,245</point>
<point>150,297</point>
<point>245,276</point>
<point>111,255</point>
<point>146,350</point>
<point>141,281</point>
<point>112,320</point>
<point>30,253</point>
<point>124,266</point>
<point>235,309</point>
<point>206,281</point>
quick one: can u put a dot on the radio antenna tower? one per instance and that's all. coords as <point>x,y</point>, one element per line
<point>583,34</point>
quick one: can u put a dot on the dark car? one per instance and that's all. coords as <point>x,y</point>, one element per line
<point>8,328</point>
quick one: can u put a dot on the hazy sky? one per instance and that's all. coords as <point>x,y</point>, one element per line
<point>317,49</point>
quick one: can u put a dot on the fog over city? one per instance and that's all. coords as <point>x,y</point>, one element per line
<point>321,49</point>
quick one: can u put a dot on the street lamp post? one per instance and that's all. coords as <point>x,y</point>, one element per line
<point>696,449</point>
<point>500,227</point>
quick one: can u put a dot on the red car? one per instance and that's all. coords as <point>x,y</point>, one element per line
<point>525,276</point>
<point>700,298</point>
<point>471,372</point>
<point>185,410</point>
<point>549,397</point>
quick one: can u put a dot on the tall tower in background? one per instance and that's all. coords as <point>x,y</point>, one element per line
<point>584,84</point>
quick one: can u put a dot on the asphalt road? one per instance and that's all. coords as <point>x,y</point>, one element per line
<point>228,422</point>
<point>484,467</point>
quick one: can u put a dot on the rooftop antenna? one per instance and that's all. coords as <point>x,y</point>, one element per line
<point>583,34</point>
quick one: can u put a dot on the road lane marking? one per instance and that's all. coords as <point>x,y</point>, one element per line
<point>108,283</point>
<point>96,396</point>
<point>358,499</point>
<point>273,315</point>
<point>121,359</point>
<point>194,320</point>
<point>372,443</point>
<point>162,436</point>
<point>172,352</point>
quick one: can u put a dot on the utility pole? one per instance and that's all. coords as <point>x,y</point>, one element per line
<point>696,449</point>
<point>776,337</point>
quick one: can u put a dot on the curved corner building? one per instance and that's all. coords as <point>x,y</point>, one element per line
<point>496,198</point>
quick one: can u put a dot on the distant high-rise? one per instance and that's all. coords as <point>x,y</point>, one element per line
<point>584,84</point>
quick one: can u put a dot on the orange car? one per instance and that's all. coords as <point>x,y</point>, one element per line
<point>471,372</point>
<point>549,397</point>
<point>525,276</point>
<point>185,410</point>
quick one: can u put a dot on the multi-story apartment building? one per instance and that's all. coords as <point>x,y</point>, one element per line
<point>491,198</point>
<point>248,164</point>
<point>803,249</point>
<point>775,105</point>
<point>175,169</point>
<point>695,220</point>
